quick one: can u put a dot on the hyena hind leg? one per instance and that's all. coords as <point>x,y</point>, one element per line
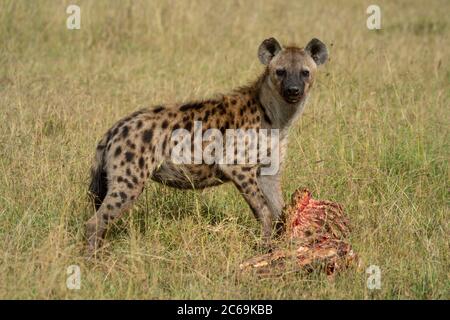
<point>119,199</point>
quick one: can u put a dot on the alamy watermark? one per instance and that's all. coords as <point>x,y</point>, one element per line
<point>73,281</point>
<point>227,147</point>
<point>73,21</point>
<point>373,22</point>
<point>374,279</point>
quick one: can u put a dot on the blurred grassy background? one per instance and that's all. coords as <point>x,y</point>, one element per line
<point>374,137</point>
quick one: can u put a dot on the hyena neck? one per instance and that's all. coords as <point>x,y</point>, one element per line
<point>281,114</point>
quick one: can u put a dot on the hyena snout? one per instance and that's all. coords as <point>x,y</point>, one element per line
<point>293,93</point>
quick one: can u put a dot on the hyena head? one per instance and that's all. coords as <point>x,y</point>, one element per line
<point>291,70</point>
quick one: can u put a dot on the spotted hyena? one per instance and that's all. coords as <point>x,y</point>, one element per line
<point>141,145</point>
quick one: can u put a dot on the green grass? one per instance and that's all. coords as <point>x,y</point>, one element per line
<point>374,137</point>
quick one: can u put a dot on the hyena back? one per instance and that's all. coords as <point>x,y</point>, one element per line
<point>139,147</point>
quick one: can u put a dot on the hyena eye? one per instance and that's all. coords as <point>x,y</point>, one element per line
<point>281,72</point>
<point>305,73</point>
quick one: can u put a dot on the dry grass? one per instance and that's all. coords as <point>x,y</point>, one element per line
<point>374,137</point>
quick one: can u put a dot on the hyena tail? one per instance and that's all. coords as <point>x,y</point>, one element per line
<point>99,180</point>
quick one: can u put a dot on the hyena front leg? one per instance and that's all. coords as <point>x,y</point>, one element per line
<point>270,186</point>
<point>120,197</point>
<point>245,178</point>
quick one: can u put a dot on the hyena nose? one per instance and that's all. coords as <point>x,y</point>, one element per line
<point>293,91</point>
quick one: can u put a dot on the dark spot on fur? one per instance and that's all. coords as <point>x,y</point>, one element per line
<point>131,144</point>
<point>109,207</point>
<point>147,136</point>
<point>141,162</point>
<point>118,151</point>
<point>206,116</point>
<point>125,131</point>
<point>158,109</point>
<point>241,177</point>
<point>114,195</point>
<point>123,195</point>
<point>165,124</point>
<point>139,124</point>
<point>140,111</point>
<point>188,126</point>
<point>118,204</point>
<point>129,156</point>
<point>191,106</point>
<point>221,109</point>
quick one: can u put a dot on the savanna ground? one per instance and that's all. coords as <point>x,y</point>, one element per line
<point>373,137</point>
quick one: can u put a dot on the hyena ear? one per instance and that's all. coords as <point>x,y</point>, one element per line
<point>317,50</point>
<point>267,50</point>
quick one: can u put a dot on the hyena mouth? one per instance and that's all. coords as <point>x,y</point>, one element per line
<point>293,98</point>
